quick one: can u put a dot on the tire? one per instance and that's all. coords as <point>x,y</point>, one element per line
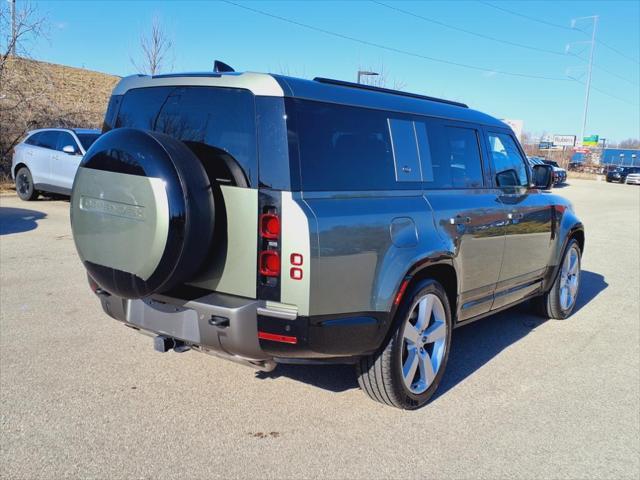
<point>24,185</point>
<point>142,213</point>
<point>381,376</point>
<point>560,301</point>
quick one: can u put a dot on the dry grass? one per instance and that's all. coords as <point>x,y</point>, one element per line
<point>584,176</point>
<point>39,94</point>
<point>6,183</point>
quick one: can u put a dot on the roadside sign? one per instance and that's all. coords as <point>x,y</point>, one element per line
<point>545,145</point>
<point>590,141</point>
<point>564,140</point>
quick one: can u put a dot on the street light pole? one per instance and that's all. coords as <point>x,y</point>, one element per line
<point>588,85</point>
<point>362,73</point>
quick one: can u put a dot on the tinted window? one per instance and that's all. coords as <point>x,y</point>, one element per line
<point>34,139</point>
<point>455,157</point>
<point>87,139</point>
<point>222,118</point>
<point>64,139</point>
<point>140,107</point>
<point>343,148</point>
<point>508,164</point>
<point>49,139</point>
<point>112,112</point>
<point>211,121</point>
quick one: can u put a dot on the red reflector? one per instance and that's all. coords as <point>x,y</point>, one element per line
<point>403,287</point>
<point>269,226</point>
<point>269,263</point>
<point>296,259</point>
<point>296,273</point>
<point>277,338</point>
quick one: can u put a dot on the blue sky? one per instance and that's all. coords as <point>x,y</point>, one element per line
<point>103,35</point>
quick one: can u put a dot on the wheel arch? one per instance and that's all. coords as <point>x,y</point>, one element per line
<point>18,166</point>
<point>441,270</point>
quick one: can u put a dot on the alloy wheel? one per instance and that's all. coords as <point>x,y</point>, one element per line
<point>423,343</point>
<point>569,278</point>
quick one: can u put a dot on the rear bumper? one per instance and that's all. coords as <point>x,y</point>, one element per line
<point>215,323</point>
<point>229,326</point>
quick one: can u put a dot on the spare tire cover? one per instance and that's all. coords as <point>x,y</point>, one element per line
<point>142,212</point>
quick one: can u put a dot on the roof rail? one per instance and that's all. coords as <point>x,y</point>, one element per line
<point>361,86</point>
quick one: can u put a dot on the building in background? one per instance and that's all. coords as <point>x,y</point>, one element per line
<point>620,156</point>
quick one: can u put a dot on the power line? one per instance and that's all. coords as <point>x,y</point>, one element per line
<point>624,100</point>
<point>476,34</point>
<point>557,25</point>
<point>615,74</point>
<point>628,57</point>
<point>533,19</point>
<point>392,49</point>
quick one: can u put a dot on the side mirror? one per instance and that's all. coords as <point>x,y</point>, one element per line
<point>542,176</point>
<point>69,149</point>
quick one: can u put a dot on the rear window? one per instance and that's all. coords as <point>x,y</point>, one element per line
<point>207,119</point>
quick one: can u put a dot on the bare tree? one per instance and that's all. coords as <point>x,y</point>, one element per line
<point>156,49</point>
<point>20,86</point>
<point>383,79</point>
<point>631,143</point>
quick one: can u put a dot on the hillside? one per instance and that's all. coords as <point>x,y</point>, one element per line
<point>38,94</point>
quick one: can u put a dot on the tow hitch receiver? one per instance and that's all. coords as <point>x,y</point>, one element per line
<point>163,344</point>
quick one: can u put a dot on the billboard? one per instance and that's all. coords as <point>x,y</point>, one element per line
<point>564,140</point>
<point>590,141</point>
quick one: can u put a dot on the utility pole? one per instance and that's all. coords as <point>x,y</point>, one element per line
<point>13,26</point>
<point>588,84</point>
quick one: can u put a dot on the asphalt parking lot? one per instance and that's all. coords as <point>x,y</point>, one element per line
<point>83,396</point>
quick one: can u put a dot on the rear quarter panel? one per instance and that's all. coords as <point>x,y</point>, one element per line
<point>366,244</point>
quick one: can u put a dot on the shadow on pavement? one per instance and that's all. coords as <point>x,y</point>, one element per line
<point>17,220</point>
<point>472,346</point>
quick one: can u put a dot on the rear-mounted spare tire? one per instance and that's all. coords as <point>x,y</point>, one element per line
<point>142,212</point>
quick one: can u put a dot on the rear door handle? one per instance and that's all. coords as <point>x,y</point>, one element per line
<point>515,216</point>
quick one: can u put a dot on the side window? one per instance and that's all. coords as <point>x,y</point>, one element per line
<point>405,150</point>
<point>34,139</point>
<point>454,160</point>
<point>49,139</point>
<point>343,147</point>
<point>508,164</point>
<point>64,139</point>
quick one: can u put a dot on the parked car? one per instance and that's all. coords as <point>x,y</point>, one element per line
<point>620,174</point>
<point>558,178</point>
<point>633,179</point>
<point>559,173</point>
<point>269,219</point>
<point>46,160</point>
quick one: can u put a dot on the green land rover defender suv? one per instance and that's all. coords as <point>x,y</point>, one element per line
<point>268,219</point>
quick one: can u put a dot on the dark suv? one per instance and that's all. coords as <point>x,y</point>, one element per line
<point>619,174</point>
<point>269,219</point>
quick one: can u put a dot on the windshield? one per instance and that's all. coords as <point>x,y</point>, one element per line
<point>87,139</point>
